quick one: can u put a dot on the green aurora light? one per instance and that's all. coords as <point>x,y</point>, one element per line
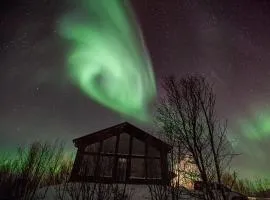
<point>249,133</point>
<point>108,60</point>
<point>258,127</point>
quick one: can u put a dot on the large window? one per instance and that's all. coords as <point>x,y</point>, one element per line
<point>124,144</point>
<point>153,152</point>
<point>88,166</point>
<point>106,163</point>
<point>138,147</point>
<point>153,168</point>
<point>144,163</point>
<point>137,168</point>
<point>109,145</point>
<point>92,147</point>
<point>121,169</point>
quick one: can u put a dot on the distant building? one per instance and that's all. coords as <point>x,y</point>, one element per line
<point>121,154</point>
<point>185,172</point>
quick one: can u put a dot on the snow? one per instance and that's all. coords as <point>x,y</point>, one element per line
<point>139,192</point>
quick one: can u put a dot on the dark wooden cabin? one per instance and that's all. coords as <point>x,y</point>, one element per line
<point>121,154</point>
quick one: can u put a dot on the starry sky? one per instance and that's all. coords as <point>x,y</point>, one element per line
<point>227,41</point>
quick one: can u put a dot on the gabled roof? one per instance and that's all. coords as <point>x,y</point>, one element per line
<point>122,128</point>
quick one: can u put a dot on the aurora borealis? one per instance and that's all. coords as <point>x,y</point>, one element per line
<point>108,60</point>
<point>258,126</point>
<point>227,41</point>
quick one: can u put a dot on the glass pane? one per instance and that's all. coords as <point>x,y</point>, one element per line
<point>121,169</point>
<point>137,168</point>
<point>138,147</point>
<point>152,151</point>
<point>88,165</point>
<point>124,143</point>
<point>106,165</point>
<point>109,145</point>
<point>153,166</point>
<point>92,147</point>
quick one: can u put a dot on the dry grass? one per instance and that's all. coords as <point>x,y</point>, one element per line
<point>258,187</point>
<point>35,166</point>
<point>29,174</point>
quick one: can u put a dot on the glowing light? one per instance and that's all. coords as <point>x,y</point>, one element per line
<point>108,60</point>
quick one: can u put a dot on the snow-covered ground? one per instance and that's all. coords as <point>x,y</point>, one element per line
<point>138,192</point>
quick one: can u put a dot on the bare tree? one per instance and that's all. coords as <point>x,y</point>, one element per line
<point>180,173</point>
<point>33,168</point>
<point>187,113</point>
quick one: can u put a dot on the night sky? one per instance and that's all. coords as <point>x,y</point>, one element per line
<point>227,41</point>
